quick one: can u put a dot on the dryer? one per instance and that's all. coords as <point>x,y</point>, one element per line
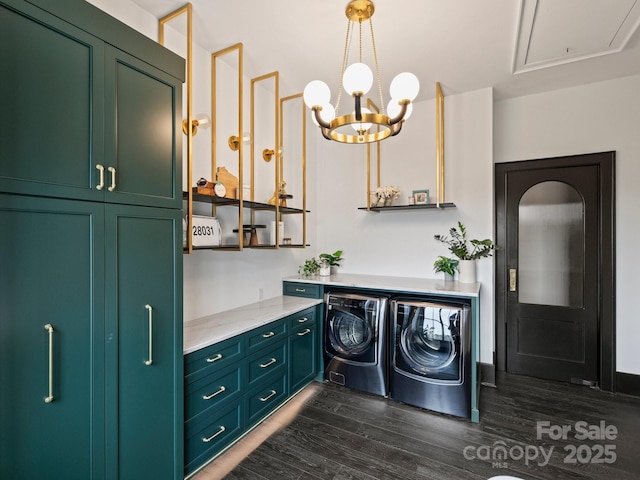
<point>355,344</point>
<point>431,355</point>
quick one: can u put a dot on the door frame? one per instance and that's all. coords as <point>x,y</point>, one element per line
<point>605,161</point>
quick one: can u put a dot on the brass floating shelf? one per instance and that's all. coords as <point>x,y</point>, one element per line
<point>396,208</point>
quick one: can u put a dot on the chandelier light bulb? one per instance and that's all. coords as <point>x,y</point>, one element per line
<point>405,85</point>
<point>358,77</point>
<point>316,93</point>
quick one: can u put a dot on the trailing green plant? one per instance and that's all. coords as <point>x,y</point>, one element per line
<point>463,248</point>
<point>446,265</point>
<point>310,267</point>
<point>333,259</point>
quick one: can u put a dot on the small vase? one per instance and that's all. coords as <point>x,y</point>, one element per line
<point>467,269</point>
<point>325,269</point>
<point>448,277</point>
<point>388,201</point>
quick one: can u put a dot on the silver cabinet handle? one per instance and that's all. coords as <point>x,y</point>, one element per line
<point>112,187</point>
<point>302,320</point>
<point>304,332</point>
<point>264,399</point>
<point>100,169</point>
<point>49,398</point>
<point>268,334</point>
<point>270,362</point>
<point>301,290</point>
<point>208,439</point>
<point>218,392</point>
<point>214,359</point>
<point>150,311</point>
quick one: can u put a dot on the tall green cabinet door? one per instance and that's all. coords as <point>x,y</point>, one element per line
<point>51,329</point>
<point>143,133</point>
<point>144,343</point>
<point>51,92</point>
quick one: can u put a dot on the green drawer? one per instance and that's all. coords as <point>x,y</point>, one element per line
<point>264,362</point>
<point>302,320</point>
<point>309,290</point>
<point>264,399</point>
<point>213,391</point>
<point>205,438</point>
<point>213,358</point>
<point>263,337</point>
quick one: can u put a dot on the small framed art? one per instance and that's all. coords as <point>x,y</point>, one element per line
<point>420,197</point>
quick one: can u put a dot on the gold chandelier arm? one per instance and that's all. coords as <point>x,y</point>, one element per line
<point>316,111</point>
<point>404,105</point>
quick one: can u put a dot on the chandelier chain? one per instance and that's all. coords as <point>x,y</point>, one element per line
<point>375,60</point>
<point>345,57</point>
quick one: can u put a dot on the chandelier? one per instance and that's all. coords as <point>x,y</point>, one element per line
<point>357,80</point>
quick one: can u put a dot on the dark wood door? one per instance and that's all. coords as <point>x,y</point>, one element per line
<point>551,268</point>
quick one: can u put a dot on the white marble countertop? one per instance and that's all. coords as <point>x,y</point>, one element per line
<point>404,284</point>
<point>204,331</point>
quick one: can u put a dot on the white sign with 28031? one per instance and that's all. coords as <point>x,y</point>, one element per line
<point>205,231</point>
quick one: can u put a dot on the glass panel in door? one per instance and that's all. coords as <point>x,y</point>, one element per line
<point>551,245</point>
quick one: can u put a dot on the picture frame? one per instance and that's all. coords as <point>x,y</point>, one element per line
<point>420,197</point>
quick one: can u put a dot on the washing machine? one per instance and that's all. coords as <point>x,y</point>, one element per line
<point>355,342</point>
<point>430,364</point>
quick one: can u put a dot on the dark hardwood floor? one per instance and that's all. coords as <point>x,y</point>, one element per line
<point>341,434</point>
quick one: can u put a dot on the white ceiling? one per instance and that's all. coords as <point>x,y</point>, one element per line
<point>464,44</point>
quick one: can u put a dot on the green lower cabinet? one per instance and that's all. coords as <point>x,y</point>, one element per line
<point>303,355</point>
<point>51,332</point>
<point>90,378</point>
<point>144,342</point>
<point>268,363</point>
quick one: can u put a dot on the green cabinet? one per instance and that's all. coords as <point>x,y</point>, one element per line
<point>91,364</point>
<point>234,384</point>
<point>87,120</point>
<point>77,390</point>
<point>51,333</point>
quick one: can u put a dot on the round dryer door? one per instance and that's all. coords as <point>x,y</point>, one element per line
<point>349,334</point>
<point>429,342</point>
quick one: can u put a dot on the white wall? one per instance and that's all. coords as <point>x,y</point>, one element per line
<point>591,118</point>
<point>402,243</point>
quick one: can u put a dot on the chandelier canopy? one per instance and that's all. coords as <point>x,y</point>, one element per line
<point>357,79</point>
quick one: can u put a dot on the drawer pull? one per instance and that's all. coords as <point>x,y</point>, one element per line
<point>270,362</point>
<point>301,290</point>
<point>208,439</point>
<point>214,359</point>
<point>268,334</point>
<point>150,318</point>
<point>49,398</point>
<point>302,320</point>
<point>304,332</point>
<point>209,397</point>
<point>264,399</point>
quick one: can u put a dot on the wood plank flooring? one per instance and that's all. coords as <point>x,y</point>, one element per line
<point>333,433</point>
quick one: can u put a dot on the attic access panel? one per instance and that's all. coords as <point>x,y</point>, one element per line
<point>553,32</point>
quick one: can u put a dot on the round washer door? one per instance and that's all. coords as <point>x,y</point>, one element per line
<point>348,334</point>
<point>428,341</point>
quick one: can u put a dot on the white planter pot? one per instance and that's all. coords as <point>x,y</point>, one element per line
<point>325,271</point>
<point>467,271</point>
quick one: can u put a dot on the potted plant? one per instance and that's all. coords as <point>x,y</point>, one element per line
<point>446,265</point>
<point>331,259</point>
<point>467,251</point>
<point>310,267</point>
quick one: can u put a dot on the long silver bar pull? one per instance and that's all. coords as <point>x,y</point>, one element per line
<point>217,392</point>
<point>150,311</point>
<point>100,185</point>
<point>304,332</point>
<point>208,439</point>
<point>264,399</point>
<point>513,279</point>
<point>112,187</point>
<point>49,398</point>
<point>270,362</point>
